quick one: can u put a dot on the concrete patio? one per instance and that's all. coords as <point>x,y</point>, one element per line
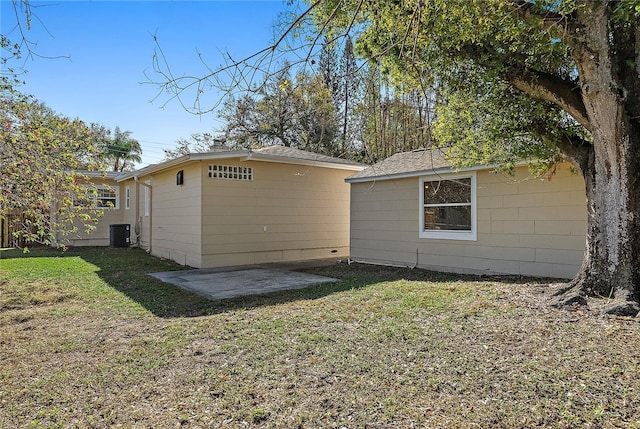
<point>230,282</point>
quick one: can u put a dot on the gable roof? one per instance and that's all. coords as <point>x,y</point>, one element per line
<point>408,164</point>
<point>279,154</point>
<point>289,153</point>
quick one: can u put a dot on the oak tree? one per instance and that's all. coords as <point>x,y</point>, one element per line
<point>572,65</point>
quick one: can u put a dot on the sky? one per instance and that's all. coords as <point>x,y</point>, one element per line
<point>96,59</point>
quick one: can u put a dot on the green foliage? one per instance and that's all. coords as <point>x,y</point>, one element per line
<point>468,53</point>
<point>493,124</point>
<point>43,193</point>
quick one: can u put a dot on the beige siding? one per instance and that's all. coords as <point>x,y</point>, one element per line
<point>286,213</point>
<point>525,226</point>
<point>100,235</point>
<point>175,221</point>
<point>131,215</point>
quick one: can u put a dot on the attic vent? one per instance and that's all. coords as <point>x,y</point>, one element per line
<point>230,172</point>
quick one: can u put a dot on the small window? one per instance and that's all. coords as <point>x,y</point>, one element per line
<point>230,172</point>
<point>448,207</point>
<point>127,198</point>
<point>105,197</point>
<point>147,199</point>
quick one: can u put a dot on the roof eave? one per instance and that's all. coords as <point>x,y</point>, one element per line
<point>153,168</point>
<point>410,174</point>
<point>255,156</point>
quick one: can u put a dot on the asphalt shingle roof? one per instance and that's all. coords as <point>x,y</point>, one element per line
<point>289,152</point>
<point>422,160</point>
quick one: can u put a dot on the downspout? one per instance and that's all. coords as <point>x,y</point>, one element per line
<point>147,185</point>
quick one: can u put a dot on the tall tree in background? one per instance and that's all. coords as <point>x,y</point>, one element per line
<point>242,121</point>
<point>118,148</point>
<point>328,65</point>
<point>393,117</point>
<point>198,143</point>
<point>315,121</point>
<point>293,112</point>
<point>347,94</point>
<point>277,109</point>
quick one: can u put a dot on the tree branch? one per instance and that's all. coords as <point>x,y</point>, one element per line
<point>554,89</point>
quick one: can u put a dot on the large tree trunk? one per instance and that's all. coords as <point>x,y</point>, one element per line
<point>611,169</point>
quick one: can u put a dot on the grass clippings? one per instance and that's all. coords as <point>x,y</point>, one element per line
<point>87,339</point>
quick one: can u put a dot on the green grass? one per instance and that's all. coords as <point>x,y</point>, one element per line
<point>88,339</point>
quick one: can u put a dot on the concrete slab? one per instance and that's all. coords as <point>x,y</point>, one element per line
<point>217,283</point>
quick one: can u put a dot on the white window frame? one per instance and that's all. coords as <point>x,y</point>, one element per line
<point>127,198</point>
<point>116,201</point>
<point>449,234</point>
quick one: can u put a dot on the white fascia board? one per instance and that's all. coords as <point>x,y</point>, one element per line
<point>445,170</point>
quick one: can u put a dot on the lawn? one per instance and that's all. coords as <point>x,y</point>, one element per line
<point>87,339</point>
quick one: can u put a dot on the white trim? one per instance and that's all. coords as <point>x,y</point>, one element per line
<point>256,156</point>
<point>408,175</point>
<point>242,155</point>
<point>449,235</point>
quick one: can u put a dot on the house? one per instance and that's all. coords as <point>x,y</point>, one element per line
<point>230,208</point>
<point>414,210</point>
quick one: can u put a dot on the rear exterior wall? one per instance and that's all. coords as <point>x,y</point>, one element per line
<point>100,235</point>
<point>173,227</point>
<point>525,226</point>
<point>287,212</point>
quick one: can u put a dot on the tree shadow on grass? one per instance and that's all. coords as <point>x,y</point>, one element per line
<point>127,271</point>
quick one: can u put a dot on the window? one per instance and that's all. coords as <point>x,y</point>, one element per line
<point>105,197</point>
<point>230,172</point>
<point>448,207</point>
<point>127,198</point>
<point>147,199</point>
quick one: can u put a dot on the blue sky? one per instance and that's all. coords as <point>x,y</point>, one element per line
<point>108,46</point>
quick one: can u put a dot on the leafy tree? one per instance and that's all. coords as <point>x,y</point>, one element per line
<point>276,108</point>
<point>315,120</point>
<point>284,111</point>
<point>574,65</point>
<point>43,192</point>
